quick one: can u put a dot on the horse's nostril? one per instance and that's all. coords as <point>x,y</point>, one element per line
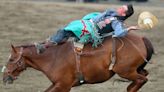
<point>8,80</point>
<point>8,72</point>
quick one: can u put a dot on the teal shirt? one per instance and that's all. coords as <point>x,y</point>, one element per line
<point>77,26</point>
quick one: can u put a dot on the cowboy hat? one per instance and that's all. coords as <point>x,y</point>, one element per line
<point>147,20</point>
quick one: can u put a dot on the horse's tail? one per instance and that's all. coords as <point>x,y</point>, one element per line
<point>149,50</point>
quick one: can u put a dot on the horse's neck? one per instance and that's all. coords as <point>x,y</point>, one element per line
<point>35,60</point>
<point>39,62</point>
<point>45,61</point>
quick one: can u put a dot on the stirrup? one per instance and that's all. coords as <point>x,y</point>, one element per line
<point>39,48</point>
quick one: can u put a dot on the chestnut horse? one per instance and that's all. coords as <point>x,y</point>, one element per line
<point>59,63</point>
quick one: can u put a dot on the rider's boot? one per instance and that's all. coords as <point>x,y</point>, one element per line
<point>41,47</point>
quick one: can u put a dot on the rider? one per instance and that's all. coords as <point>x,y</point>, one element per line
<point>92,27</point>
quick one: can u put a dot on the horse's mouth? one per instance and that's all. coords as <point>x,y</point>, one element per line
<point>8,80</point>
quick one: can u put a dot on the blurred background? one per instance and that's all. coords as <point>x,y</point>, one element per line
<point>29,21</point>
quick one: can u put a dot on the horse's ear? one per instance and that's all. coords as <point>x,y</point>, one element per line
<point>13,48</point>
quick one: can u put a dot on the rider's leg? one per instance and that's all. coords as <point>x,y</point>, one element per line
<point>61,36</point>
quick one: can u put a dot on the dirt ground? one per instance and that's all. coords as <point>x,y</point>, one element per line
<point>34,21</point>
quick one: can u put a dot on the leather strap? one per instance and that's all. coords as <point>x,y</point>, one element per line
<point>113,57</point>
<point>79,73</point>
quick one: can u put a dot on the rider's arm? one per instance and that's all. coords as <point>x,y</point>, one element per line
<point>119,29</point>
<point>101,16</point>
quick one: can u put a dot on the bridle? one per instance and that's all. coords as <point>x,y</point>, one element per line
<point>20,63</point>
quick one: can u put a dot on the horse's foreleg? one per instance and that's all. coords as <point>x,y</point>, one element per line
<point>50,87</point>
<point>58,87</point>
<point>137,83</point>
<point>143,72</point>
<point>138,80</point>
<point>141,81</point>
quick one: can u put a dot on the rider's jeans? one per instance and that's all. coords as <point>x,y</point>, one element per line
<point>61,36</point>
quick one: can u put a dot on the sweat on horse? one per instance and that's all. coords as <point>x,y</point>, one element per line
<point>61,60</point>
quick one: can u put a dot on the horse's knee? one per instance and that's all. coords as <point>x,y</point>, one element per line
<point>137,84</point>
<point>141,81</point>
<point>143,72</point>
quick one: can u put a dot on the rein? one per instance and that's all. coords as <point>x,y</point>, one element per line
<point>122,45</point>
<point>137,50</point>
<point>113,55</point>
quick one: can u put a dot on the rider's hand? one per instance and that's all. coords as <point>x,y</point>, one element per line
<point>133,28</point>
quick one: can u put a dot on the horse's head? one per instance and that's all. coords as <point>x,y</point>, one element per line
<point>15,65</point>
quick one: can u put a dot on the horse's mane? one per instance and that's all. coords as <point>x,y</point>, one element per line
<point>25,45</point>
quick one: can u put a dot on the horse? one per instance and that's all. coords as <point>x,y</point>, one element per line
<point>133,52</point>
